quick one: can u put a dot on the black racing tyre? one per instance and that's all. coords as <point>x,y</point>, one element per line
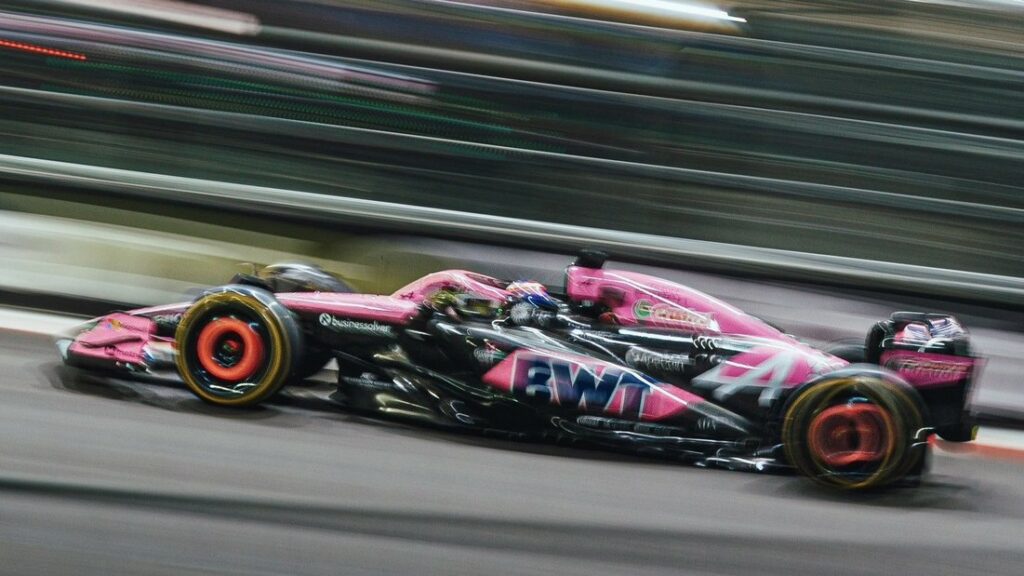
<point>852,350</point>
<point>853,432</point>
<point>295,277</point>
<point>237,346</point>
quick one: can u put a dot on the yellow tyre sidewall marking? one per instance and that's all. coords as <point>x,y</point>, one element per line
<point>823,394</point>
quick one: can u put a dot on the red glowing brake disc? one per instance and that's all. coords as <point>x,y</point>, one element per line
<point>232,332</point>
<point>850,434</point>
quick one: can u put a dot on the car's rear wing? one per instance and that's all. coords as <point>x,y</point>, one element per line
<point>933,353</point>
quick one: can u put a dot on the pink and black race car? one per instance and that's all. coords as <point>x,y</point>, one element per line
<point>619,359</point>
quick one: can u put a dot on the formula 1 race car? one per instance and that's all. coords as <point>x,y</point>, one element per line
<point>618,359</point>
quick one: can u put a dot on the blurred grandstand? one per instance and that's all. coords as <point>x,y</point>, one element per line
<point>881,130</point>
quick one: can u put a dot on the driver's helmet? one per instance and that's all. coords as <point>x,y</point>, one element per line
<point>533,293</point>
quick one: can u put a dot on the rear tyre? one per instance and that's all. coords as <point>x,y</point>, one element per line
<point>853,432</point>
<point>237,346</point>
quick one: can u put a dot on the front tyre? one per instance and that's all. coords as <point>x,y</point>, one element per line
<point>851,350</point>
<point>237,345</point>
<point>853,432</point>
<point>294,277</point>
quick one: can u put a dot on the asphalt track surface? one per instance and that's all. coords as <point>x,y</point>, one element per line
<point>114,477</point>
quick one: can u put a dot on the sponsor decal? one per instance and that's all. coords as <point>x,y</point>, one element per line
<point>551,381</point>
<point>168,319</point>
<point>642,309</point>
<point>932,368</point>
<point>368,383</point>
<point>488,356</point>
<point>764,372</point>
<point>650,360</point>
<point>646,311</point>
<point>347,326</point>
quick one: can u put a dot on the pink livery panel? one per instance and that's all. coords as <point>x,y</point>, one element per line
<point>478,285</point>
<point>386,309</point>
<point>582,384</point>
<point>640,300</point>
<point>925,370</point>
<point>766,370</point>
<point>116,338</point>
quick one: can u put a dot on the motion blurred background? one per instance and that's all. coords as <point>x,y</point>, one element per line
<point>876,130</point>
<point>818,163</point>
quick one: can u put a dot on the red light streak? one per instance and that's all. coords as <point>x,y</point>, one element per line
<point>41,50</point>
